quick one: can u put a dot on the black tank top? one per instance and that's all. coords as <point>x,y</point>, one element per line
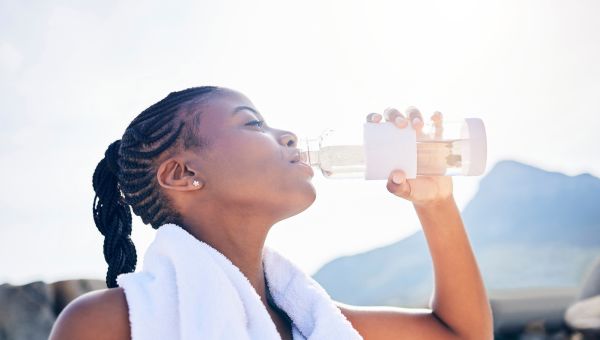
<point>271,303</point>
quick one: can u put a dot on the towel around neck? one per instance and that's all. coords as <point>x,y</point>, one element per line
<point>189,290</point>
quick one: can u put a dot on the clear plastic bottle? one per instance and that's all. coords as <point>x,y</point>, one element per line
<point>455,148</point>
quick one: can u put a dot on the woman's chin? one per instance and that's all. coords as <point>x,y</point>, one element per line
<point>302,201</point>
<point>311,195</point>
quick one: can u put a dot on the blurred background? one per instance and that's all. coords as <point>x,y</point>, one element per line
<point>74,74</point>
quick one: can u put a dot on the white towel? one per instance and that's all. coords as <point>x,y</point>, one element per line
<point>188,290</point>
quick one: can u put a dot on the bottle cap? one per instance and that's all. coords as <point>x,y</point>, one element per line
<point>474,150</point>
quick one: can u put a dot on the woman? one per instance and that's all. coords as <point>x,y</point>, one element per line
<point>204,151</point>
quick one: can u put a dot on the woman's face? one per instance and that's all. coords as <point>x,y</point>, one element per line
<point>247,164</point>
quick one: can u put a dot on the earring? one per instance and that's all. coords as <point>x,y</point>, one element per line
<point>196,183</point>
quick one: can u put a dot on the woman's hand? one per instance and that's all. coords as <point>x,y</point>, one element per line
<point>423,190</point>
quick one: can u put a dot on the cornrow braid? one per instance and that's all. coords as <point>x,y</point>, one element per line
<point>113,217</point>
<point>126,176</point>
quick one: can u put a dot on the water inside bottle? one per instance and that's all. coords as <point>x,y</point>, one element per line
<point>434,158</point>
<point>439,157</point>
<point>342,161</point>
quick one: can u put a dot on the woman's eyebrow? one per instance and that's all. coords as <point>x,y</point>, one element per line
<point>240,108</point>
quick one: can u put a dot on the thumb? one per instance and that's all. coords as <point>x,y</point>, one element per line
<point>398,185</point>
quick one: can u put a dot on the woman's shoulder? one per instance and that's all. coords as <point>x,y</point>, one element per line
<point>101,314</point>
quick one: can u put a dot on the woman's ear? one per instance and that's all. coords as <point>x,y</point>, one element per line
<point>175,174</point>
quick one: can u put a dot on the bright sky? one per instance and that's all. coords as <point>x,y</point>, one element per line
<point>72,76</point>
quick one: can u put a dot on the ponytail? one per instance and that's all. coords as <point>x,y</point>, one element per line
<point>112,216</point>
<point>126,176</point>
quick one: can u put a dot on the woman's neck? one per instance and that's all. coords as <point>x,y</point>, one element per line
<point>242,243</point>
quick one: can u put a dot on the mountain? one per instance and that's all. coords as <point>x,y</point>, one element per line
<point>530,229</point>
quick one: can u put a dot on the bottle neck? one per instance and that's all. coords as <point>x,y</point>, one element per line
<point>309,151</point>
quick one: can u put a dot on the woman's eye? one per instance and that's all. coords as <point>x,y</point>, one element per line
<point>258,123</point>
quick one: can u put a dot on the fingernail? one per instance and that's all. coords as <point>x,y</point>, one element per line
<point>417,121</point>
<point>400,122</point>
<point>386,113</point>
<point>411,109</point>
<point>397,179</point>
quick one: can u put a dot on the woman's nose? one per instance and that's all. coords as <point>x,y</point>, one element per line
<point>288,139</point>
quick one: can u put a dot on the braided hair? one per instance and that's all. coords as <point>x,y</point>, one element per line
<point>126,176</point>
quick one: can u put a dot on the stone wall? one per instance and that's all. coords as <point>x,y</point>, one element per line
<point>28,312</point>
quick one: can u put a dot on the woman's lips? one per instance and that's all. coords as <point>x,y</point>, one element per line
<point>297,160</point>
<point>305,166</point>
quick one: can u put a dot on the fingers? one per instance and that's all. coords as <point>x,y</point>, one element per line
<point>393,115</point>
<point>437,120</point>
<point>415,117</point>
<point>398,185</point>
<point>373,117</point>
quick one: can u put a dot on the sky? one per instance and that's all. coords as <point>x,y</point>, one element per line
<point>74,74</point>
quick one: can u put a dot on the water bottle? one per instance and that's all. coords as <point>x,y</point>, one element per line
<point>449,148</point>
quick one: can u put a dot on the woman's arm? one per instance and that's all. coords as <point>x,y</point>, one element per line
<point>459,306</point>
<point>459,299</point>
